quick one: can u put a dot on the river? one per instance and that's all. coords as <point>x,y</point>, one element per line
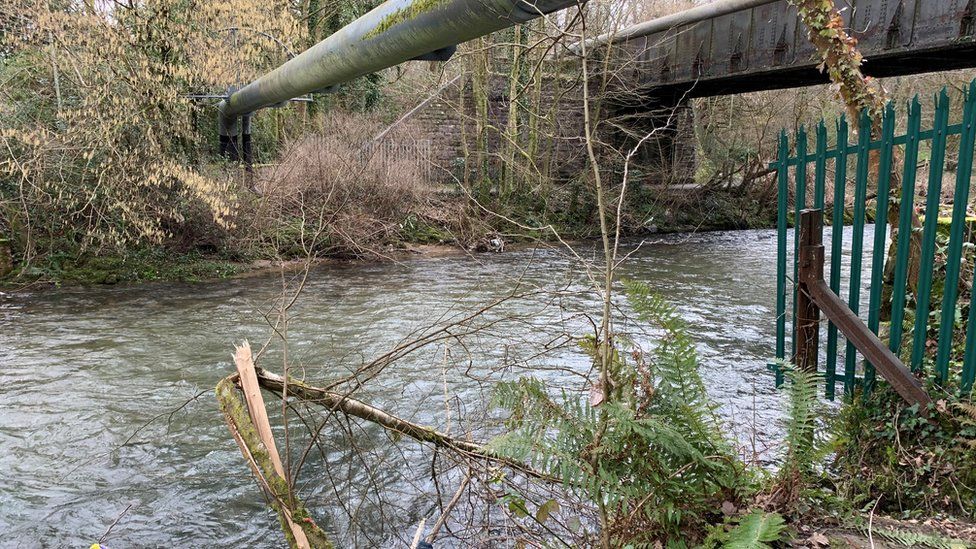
<point>85,369</point>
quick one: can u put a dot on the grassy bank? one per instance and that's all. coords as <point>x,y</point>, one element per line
<point>140,265</point>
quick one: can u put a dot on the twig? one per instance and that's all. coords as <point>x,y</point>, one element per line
<point>871,523</point>
<point>420,532</point>
<point>447,510</point>
<point>114,522</point>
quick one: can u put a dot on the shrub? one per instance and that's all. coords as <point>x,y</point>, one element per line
<point>338,192</point>
<point>652,456</point>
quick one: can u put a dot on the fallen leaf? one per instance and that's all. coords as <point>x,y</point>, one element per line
<point>728,508</point>
<point>596,395</point>
<point>819,540</point>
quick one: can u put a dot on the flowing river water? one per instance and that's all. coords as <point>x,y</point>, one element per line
<point>97,421</point>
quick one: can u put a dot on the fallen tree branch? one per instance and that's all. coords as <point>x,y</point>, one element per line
<point>356,408</point>
<point>251,430</point>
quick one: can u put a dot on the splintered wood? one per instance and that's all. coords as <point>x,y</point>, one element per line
<point>259,417</point>
<point>255,402</point>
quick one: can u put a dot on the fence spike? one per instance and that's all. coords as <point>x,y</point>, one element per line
<point>934,193</point>
<point>878,251</point>
<point>857,240</point>
<point>906,208</point>
<point>960,203</point>
<point>782,178</point>
<point>799,202</point>
<point>837,246</point>
<point>820,171</point>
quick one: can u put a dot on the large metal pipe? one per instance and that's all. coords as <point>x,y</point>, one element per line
<point>687,17</point>
<point>394,32</point>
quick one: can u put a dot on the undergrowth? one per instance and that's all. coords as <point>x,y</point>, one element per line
<point>652,457</point>
<point>909,466</point>
<point>135,265</point>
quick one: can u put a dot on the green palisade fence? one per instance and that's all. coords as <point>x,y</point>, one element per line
<point>917,311</point>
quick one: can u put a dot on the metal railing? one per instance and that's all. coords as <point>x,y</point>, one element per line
<point>813,295</point>
<point>911,305</point>
<point>392,153</point>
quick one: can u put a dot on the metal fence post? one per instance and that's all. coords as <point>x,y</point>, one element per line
<point>782,177</point>
<point>907,206</point>
<point>800,201</point>
<point>879,252</point>
<point>936,165</point>
<point>960,203</point>
<point>837,247</point>
<point>857,241</point>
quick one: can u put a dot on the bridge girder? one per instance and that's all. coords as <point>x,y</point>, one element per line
<point>766,47</point>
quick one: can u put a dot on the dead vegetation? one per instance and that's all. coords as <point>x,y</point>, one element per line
<point>333,194</point>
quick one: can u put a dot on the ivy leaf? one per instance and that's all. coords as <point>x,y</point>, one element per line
<point>517,507</point>
<point>546,509</point>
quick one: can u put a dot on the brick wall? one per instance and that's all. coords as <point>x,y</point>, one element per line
<point>449,118</point>
<point>446,119</point>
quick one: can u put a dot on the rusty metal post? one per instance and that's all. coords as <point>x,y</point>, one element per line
<point>810,268</point>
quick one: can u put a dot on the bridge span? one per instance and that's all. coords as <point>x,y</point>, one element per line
<point>766,47</point>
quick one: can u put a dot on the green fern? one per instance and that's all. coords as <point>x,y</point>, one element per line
<point>755,531</point>
<point>916,539</point>
<point>801,447</point>
<point>679,387</point>
<point>660,464</point>
<point>968,411</point>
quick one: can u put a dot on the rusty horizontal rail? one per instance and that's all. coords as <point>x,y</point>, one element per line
<point>818,297</point>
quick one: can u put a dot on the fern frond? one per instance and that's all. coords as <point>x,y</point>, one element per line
<point>642,452</point>
<point>801,420</point>
<point>967,409</point>
<point>680,391</point>
<point>917,539</point>
<point>756,531</point>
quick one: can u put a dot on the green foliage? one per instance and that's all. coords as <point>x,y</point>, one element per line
<point>138,265</point>
<point>912,466</point>
<point>918,539</point>
<point>801,447</point>
<point>652,454</point>
<point>756,531</point>
<point>417,229</point>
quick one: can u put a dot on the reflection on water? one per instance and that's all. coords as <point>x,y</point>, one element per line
<point>83,369</point>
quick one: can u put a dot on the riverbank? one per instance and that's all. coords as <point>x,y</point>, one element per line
<point>416,238</point>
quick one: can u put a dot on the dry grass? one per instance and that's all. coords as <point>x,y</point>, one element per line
<point>334,193</point>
